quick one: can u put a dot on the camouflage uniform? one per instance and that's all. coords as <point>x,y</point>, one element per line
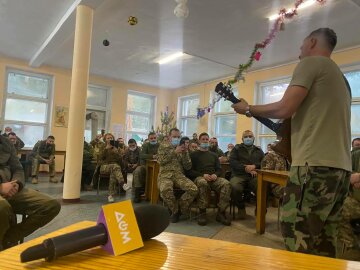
<point>147,152</point>
<point>240,156</point>
<point>39,208</point>
<point>171,174</point>
<point>217,151</point>
<point>98,146</point>
<point>88,166</point>
<point>110,161</point>
<point>46,151</point>
<point>273,161</point>
<point>351,210</point>
<point>206,162</point>
<point>131,157</point>
<point>311,208</point>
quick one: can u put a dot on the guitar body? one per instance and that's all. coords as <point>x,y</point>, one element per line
<point>282,145</point>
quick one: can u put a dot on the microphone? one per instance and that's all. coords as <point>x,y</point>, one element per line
<point>151,219</point>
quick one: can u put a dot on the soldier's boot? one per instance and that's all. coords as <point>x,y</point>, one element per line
<point>241,213</point>
<point>222,218</point>
<point>34,180</point>
<point>136,198</point>
<point>201,220</point>
<point>52,179</point>
<point>175,217</point>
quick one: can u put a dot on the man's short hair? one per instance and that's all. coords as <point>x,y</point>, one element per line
<point>151,133</point>
<point>203,134</point>
<point>354,140</point>
<point>51,137</point>
<point>132,141</point>
<point>173,129</point>
<point>12,134</point>
<point>328,35</point>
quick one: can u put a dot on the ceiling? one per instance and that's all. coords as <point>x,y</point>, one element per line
<point>218,35</point>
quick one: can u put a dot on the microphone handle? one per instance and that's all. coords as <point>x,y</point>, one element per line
<point>66,244</point>
<point>76,241</point>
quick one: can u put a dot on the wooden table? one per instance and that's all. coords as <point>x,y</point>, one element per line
<point>175,251</point>
<point>265,177</point>
<point>152,172</point>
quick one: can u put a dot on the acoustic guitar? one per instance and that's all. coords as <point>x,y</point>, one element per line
<point>282,145</point>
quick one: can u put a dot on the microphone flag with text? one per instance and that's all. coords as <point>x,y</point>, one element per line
<point>120,228</point>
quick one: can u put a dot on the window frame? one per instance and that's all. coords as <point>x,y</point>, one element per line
<point>180,117</point>
<point>213,116</point>
<point>259,100</point>
<point>150,115</point>
<point>48,101</point>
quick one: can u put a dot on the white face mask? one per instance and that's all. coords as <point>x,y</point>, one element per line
<point>132,148</point>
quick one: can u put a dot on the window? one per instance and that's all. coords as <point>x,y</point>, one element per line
<point>269,92</point>
<point>27,108</point>
<point>139,115</point>
<point>223,122</point>
<point>353,77</point>
<point>98,101</point>
<point>187,115</point>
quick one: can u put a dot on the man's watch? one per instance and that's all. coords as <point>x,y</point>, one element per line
<point>247,112</point>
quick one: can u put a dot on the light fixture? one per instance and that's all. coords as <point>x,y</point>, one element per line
<point>170,58</point>
<point>301,6</point>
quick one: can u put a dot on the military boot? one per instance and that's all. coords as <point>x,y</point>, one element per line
<point>201,220</point>
<point>52,179</point>
<point>222,218</point>
<point>136,198</point>
<point>34,180</point>
<point>175,217</point>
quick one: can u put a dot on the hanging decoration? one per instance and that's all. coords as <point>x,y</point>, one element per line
<point>279,25</point>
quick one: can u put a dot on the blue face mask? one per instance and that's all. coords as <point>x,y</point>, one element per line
<point>175,141</point>
<point>204,145</point>
<point>248,141</point>
<point>153,142</point>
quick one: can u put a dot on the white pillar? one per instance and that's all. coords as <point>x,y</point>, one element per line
<point>79,86</point>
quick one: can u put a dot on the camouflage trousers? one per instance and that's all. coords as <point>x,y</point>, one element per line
<point>114,170</point>
<point>220,186</point>
<point>348,242</point>
<point>35,167</point>
<point>166,184</point>
<point>139,176</point>
<point>311,209</point>
<point>39,208</point>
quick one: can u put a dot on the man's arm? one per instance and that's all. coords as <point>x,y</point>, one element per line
<point>144,154</point>
<point>235,164</point>
<point>16,169</point>
<point>283,109</point>
<point>21,143</point>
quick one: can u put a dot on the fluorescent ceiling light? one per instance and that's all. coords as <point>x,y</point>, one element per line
<point>170,58</point>
<point>303,5</point>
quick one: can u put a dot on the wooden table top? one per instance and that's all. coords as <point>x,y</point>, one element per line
<point>282,173</point>
<point>175,251</point>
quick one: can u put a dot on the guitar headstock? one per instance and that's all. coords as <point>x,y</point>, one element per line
<point>226,92</point>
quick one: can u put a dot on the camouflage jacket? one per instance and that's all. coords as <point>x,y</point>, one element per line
<point>44,150</point>
<point>147,152</point>
<point>87,153</point>
<point>10,166</point>
<point>273,161</point>
<point>355,159</point>
<point>242,155</point>
<point>132,157</point>
<point>217,151</point>
<point>171,162</point>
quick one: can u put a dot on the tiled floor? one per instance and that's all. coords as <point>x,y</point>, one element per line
<point>88,209</point>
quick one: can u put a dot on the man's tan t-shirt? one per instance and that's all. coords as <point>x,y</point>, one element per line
<point>320,128</point>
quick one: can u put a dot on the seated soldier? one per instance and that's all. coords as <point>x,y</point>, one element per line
<point>148,151</point>
<point>109,162</point>
<point>348,242</point>
<point>98,146</point>
<point>245,158</point>
<point>16,199</point>
<point>273,161</point>
<point>205,173</point>
<point>214,147</point>
<point>16,141</point>
<point>131,157</point>
<point>193,146</point>
<point>174,159</point>
<point>44,153</point>
<point>88,167</point>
